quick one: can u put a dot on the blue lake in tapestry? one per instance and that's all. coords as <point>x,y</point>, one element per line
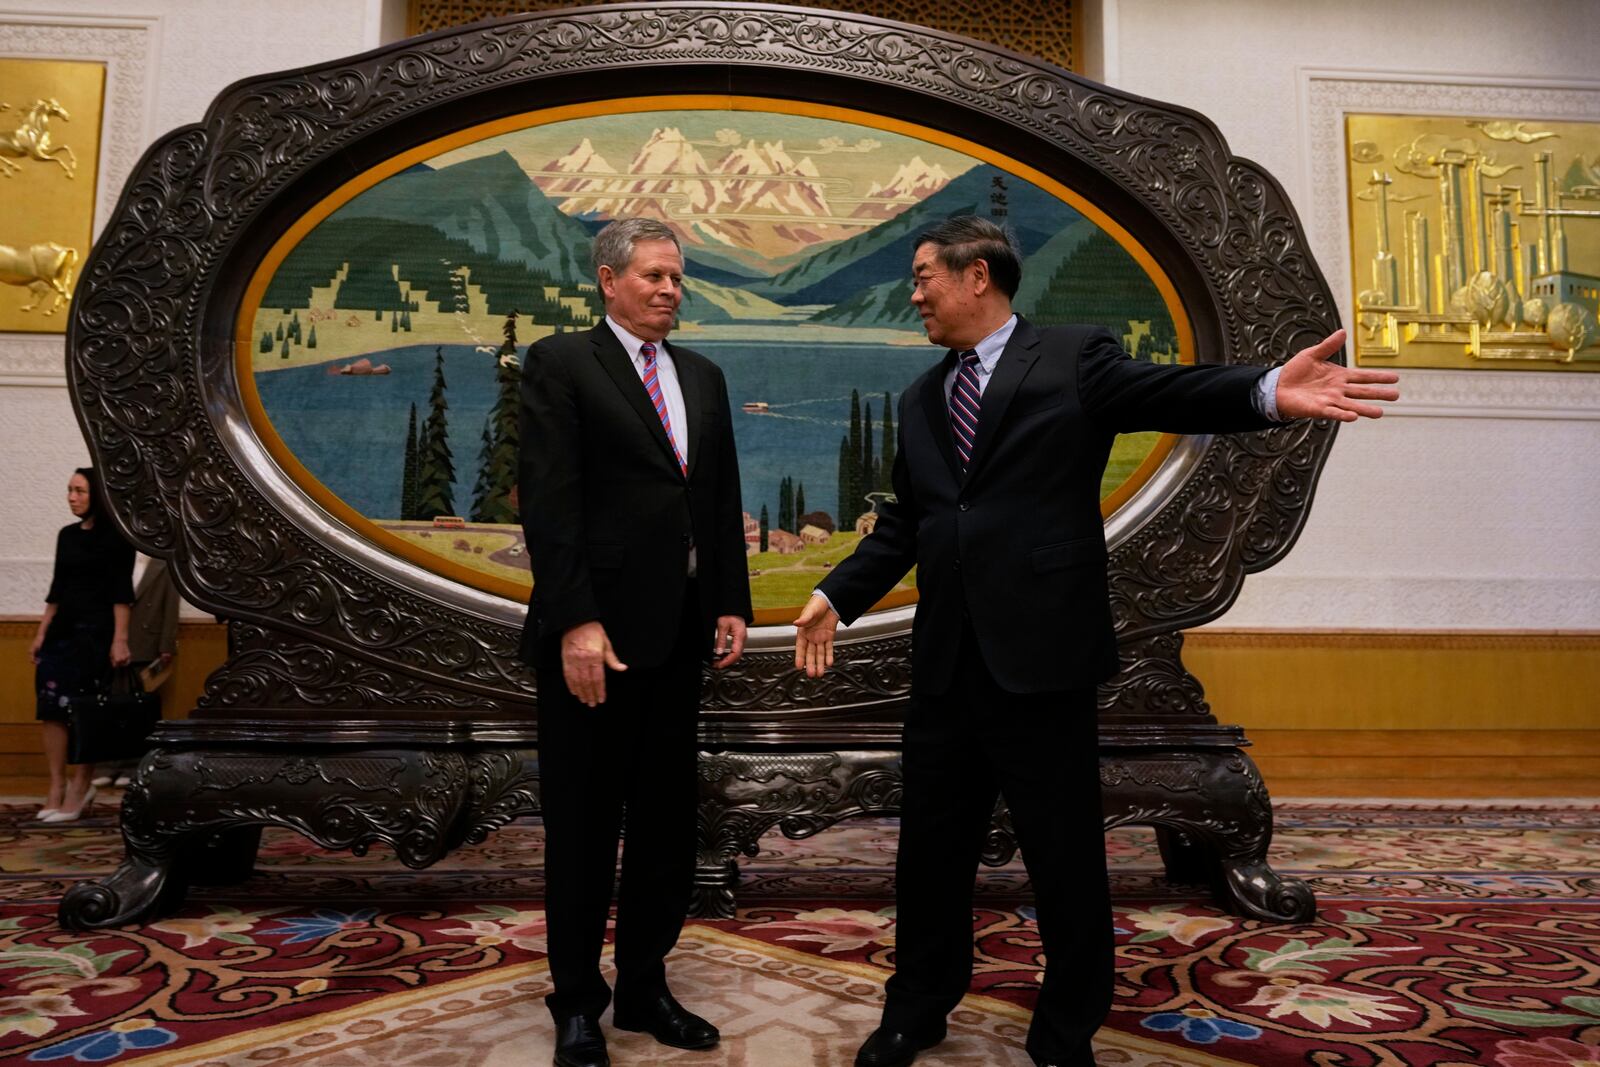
<point>349,430</point>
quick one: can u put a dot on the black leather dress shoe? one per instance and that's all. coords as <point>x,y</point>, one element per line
<point>668,1022</point>
<point>890,1048</point>
<point>579,1043</point>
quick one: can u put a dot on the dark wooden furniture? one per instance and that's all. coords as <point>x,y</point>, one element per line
<point>365,700</point>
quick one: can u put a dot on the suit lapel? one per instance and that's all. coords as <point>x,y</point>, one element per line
<point>694,404</point>
<point>1015,362</point>
<point>613,358</point>
<point>936,408</point>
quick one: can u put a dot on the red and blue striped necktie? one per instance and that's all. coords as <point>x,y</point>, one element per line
<point>652,385</point>
<point>965,401</point>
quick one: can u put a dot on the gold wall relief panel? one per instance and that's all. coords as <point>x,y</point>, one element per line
<point>1043,28</point>
<point>1475,241</point>
<point>49,152</point>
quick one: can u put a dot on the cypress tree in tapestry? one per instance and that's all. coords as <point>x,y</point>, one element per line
<point>436,472</point>
<point>869,470</point>
<point>846,464</point>
<point>408,479</point>
<point>886,465</point>
<point>855,487</point>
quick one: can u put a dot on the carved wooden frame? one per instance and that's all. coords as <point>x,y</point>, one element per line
<point>332,648</point>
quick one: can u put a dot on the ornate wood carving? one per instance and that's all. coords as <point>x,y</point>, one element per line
<point>325,623</point>
<point>1045,28</point>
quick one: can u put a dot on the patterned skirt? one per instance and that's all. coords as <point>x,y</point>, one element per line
<point>75,659</point>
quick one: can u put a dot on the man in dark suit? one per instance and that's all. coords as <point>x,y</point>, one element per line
<point>629,493</point>
<point>997,489</point>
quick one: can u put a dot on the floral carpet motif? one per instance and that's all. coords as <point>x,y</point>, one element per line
<point>1446,935</point>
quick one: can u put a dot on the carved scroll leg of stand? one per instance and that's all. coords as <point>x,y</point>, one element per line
<point>1246,881</point>
<point>156,876</point>
<point>148,883</point>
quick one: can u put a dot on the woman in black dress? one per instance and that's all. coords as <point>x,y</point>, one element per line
<point>83,634</point>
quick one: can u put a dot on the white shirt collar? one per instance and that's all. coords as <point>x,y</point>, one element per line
<point>632,344</point>
<point>990,348</point>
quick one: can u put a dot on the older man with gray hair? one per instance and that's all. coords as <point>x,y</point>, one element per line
<point>629,491</point>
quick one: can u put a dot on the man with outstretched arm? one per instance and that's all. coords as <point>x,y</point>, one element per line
<point>996,481</point>
<point>629,492</point>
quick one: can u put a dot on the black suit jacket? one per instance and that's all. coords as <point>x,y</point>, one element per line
<point>607,513</point>
<point>1018,544</point>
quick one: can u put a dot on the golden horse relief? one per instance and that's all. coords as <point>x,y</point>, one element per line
<point>31,139</point>
<point>42,268</point>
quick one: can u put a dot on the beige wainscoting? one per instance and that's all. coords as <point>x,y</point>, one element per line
<point>1374,713</point>
<point>201,647</point>
<point>1329,713</point>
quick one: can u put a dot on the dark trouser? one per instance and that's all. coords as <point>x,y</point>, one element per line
<point>1039,751</point>
<point>635,753</point>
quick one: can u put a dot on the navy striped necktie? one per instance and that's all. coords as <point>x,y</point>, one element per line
<point>965,401</point>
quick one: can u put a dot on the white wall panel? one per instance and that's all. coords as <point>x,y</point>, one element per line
<point>1477,502</point>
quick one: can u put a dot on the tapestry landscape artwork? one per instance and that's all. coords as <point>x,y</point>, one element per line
<point>383,341</point>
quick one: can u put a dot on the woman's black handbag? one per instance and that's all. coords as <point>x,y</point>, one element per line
<point>113,722</point>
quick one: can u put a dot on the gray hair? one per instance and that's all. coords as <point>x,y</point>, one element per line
<point>613,245</point>
<point>964,239</point>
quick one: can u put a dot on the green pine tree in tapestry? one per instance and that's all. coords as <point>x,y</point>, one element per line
<point>436,471</point>
<point>498,474</point>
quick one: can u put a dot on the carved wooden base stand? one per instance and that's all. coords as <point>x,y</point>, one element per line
<point>194,816</point>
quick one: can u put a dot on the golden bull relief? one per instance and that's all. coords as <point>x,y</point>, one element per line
<point>1475,242</point>
<point>50,115</point>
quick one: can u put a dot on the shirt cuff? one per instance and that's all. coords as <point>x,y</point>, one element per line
<point>1265,397</point>
<point>825,600</point>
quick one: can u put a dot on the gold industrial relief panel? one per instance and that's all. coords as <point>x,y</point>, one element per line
<point>1475,241</point>
<point>49,151</point>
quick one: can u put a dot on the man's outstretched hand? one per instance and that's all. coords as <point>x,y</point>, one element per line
<point>1312,387</point>
<point>813,638</point>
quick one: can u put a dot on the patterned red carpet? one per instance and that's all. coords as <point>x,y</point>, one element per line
<point>1447,935</point>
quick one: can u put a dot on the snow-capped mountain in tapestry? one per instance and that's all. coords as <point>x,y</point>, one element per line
<point>756,198</point>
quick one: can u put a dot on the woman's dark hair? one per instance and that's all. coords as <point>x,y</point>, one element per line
<point>95,499</point>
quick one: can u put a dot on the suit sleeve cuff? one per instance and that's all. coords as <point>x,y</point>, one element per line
<point>1265,396</point>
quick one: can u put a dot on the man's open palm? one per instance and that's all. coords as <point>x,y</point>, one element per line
<point>1311,386</point>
